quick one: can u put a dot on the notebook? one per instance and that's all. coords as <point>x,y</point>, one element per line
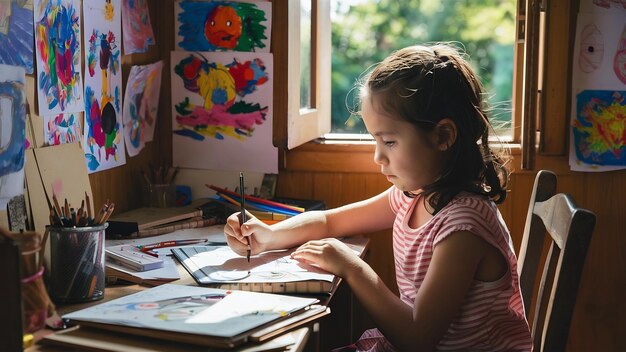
<point>200,315</point>
<point>270,272</point>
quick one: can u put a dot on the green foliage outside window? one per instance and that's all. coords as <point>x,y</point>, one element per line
<point>365,31</point>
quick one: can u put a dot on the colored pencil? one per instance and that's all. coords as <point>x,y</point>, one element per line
<point>256,199</point>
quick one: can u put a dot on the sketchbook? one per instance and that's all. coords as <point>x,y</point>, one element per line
<point>197,315</point>
<point>271,272</point>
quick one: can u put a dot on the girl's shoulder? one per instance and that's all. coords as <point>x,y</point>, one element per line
<point>470,200</point>
<point>471,212</point>
<point>469,207</point>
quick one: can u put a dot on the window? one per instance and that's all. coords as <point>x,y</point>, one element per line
<point>502,45</point>
<point>366,31</point>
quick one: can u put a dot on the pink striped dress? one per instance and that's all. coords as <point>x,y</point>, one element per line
<point>492,315</point>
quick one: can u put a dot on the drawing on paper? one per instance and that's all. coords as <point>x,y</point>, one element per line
<point>137,28</point>
<point>619,61</point>
<point>103,139</point>
<point>210,264</point>
<point>16,33</point>
<point>223,26</point>
<point>12,119</point>
<point>177,308</point>
<point>62,128</point>
<point>222,111</point>
<point>193,310</point>
<point>223,89</point>
<point>599,127</point>
<point>57,42</point>
<point>591,49</point>
<point>141,104</point>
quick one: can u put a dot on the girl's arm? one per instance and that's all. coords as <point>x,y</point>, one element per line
<point>409,328</point>
<point>362,217</point>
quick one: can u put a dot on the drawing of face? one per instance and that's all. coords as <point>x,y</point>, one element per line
<point>223,27</point>
<point>591,49</point>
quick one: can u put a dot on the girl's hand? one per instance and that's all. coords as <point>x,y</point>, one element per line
<point>260,234</point>
<point>329,254</point>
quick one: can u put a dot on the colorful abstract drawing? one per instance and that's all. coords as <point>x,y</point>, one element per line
<point>138,33</point>
<point>16,33</point>
<point>141,104</point>
<point>12,119</point>
<point>219,115</point>
<point>103,137</point>
<point>221,110</point>
<point>223,26</point>
<point>57,39</point>
<point>62,128</point>
<point>599,127</point>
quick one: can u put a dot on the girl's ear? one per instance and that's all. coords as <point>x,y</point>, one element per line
<point>446,134</point>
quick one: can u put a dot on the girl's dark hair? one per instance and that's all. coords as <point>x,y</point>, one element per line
<point>424,84</point>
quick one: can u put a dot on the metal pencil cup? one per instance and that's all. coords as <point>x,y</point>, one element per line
<point>77,272</point>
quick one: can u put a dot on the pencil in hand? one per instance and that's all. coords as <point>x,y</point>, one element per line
<point>243,212</point>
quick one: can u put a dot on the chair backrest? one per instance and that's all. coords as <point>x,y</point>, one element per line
<point>569,230</point>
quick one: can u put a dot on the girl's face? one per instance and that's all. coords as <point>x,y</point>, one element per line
<point>409,158</point>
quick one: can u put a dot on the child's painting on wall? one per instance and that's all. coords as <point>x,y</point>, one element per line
<point>58,47</point>
<point>138,35</point>
<point>221,104</point>
<point>223,26</point>
<point>16,33</point>
<point>598,112</point>
<point>103,139</point>
<point>141,104</point>
<point>62,128</point>
<point>599,127</point>
<point>12,132</point>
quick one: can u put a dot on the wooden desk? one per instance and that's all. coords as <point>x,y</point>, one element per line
<point>331,331</point>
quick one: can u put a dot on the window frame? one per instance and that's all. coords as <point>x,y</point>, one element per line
<point>317,150</point>
<point>294,126</point>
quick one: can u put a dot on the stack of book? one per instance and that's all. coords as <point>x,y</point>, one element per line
<point>143,222</point>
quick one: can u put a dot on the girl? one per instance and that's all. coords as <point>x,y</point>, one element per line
<point>455,265</point>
